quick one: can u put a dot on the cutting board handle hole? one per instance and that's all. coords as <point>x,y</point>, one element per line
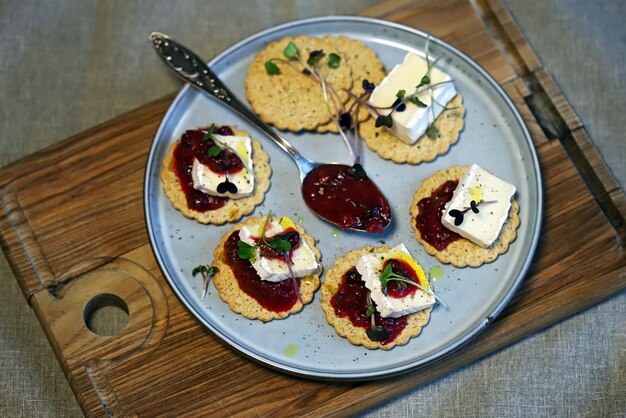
<point>106,314</point>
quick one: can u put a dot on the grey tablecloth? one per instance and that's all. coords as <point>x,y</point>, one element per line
<point>67,65</point>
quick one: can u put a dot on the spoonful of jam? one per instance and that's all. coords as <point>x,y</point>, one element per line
<point>340,194</point>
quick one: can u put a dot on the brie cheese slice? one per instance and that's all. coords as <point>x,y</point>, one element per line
<point>370,266</point>
<point>477,184</point>
<point>206,180</point>
<point>410,124</point>
<point>303,261</point>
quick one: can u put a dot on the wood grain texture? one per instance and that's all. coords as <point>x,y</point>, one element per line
<point>81,233</point>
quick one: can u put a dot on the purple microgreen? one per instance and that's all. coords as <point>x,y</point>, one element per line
<point>368,87</point>
<point>315,57</point>
<point>227,187</point>
<point>291,51</point>
<point>345,120</point>
<point>306,72</point>
<point>334,60</point>
<point>459,215</point>
<point>401,107</point>
<point>357,171</point>
<point>207,272</point>
<point>271,68</point>
<point>388,275</point>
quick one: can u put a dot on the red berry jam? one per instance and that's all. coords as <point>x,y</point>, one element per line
<point>273,296</point>
<point>350,301</point>
<point>190,147</point>
<point>347,200</point>
<point>428,221</point>
<point>396,288</point>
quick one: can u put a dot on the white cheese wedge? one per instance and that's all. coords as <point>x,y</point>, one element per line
<point>413,122</point>
<point>207,181</point>
<point>479,185</point>
<point>275,270</point>
<point>370,266</point>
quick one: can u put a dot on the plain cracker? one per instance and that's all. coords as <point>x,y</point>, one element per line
<point>238,301</point>
<point>365,66</point>
<point>388,146</point>
<point>235,208</point>
<point>343,326</point>
<point>291,100</point>
<point>463,252</point>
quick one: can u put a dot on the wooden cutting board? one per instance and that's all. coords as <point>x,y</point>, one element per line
<point>72,227</point>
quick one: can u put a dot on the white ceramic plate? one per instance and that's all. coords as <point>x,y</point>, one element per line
<point>494,137</point>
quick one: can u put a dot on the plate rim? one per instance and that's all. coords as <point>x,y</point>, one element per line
<point>376,374</point>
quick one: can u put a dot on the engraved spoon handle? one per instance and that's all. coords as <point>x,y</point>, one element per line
<point>192,69</point>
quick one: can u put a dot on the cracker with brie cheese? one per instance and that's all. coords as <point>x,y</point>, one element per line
<point>234,208</point>
<point>463,252</point>
<point>238,300</point>
<point>365,66</point>
<point>290,99</point>
<point>449,124</point>
<point>357,335</point>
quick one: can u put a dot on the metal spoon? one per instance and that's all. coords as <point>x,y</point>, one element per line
<point>189,67</point>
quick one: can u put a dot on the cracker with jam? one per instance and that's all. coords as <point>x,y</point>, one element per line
<point>348,306</point>
<point>253,276</point>
<point>182,162</point>
<point>431,204</point>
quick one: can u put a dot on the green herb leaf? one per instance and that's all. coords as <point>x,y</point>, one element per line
<point>389,121</point>
<point>209,133</point>
<point>334,60</point>
<point>213,151</point>
<point>432,132</point>
<point>291,51</point>
<point>400,94</point>
<point>370,310</point>
<point>198,269</point>
<point>271,68</point>
<point>425,80</point>
<point>279,245</point>
<point>417,102</point>
<point>245,251</point>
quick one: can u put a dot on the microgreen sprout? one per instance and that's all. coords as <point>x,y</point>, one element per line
<point>458,215</point>
<point>246,251</point>
<point>334,60</point>
<point>207,272</point>
<point>388,275</point>
<point>374,332</point>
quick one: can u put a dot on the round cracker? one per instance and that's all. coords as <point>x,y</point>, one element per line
<point>240,302</point>
<point>235,208</point>
<point>365,66</point>
<point>291,100</point>
<point>463,252</point>
<point>388,146</point>
<point>343,326</point>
